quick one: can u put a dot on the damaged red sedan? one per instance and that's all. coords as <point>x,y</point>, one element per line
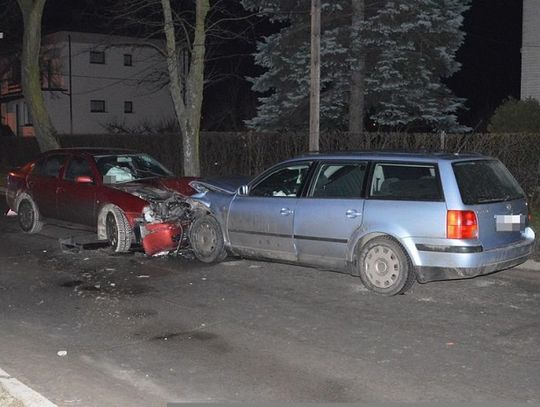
<point>128,197</point>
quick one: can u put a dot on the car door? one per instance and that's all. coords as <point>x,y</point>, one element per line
<point>261,223</point>
<point>329,214</point>
<point>43,183</point>
<point>77,200</point>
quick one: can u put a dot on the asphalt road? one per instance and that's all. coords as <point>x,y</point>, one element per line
<point>141,331</point>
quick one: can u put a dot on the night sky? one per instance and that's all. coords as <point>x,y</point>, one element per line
<point>490,56</point>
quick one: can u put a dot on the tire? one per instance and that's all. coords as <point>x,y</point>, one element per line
<point>385,267</point>
<point>118,230</point>
<point>29,216</point>
<point>206,240</point>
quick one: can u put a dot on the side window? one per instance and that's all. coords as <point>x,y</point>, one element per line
<point>283,182</point>
<point>408,182</point>
<point>339,181</point>
<point>78,167</point>
<point>49,166</point>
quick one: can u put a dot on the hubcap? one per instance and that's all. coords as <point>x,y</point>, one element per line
<point>112,230</point>
<point>382,266</point>
<point>26,215</point>
<point>206,239</point>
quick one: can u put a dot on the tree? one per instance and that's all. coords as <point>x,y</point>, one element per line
<point>187,106</point>
<point>516,116</point>
<point>390,54</point>
<point>190,62</point>
<point>32,12</point>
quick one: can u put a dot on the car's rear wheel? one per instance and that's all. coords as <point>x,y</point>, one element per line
<point>385,267</point>
<point>118,230</point>
<point>206,240</point>
<point>29,216</point>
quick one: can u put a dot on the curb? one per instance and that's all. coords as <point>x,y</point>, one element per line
<point>22,393</point>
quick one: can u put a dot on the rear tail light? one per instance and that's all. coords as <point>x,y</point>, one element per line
<point>461,225</point>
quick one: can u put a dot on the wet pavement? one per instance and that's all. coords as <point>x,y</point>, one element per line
<point>86,327</point>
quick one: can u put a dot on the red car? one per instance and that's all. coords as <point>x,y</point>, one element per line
<point>129,197</point>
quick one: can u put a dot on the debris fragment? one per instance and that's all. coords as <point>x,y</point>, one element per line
<point>61,353</point>
<point>143,276</point>
<point>69,245</point>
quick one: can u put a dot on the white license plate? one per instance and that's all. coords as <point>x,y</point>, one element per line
<point>509,223</point>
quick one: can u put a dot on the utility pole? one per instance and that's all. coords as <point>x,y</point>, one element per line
<point>315,85</point>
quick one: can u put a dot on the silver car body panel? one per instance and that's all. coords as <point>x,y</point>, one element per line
<point>328,232</point>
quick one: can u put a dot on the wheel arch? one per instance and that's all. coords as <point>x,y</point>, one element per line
<point>359,240</point>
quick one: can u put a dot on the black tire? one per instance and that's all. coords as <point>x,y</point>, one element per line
<point>207,240</point>
<point>29,216</point>
<point>385,267</point>
<point>118,230</point>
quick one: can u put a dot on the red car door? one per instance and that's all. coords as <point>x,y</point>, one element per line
<point>76,196</point>
<point>43,182</point>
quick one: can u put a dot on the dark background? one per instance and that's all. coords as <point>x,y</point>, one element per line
<point>490,56</point>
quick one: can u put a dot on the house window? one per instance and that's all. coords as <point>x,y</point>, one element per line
<point>97,57</point>
<point>97,106</point>
<point>128,106</point>
<point>128,60</point>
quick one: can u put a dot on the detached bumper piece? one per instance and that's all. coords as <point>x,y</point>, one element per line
<point>161,238</point>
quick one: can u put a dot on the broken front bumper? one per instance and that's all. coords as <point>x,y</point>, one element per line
<point>158,238</point>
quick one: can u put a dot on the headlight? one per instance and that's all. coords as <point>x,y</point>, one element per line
<point>148,214</point>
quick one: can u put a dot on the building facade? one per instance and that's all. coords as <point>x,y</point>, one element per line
<point>530,50</point>
<point>92,83</point>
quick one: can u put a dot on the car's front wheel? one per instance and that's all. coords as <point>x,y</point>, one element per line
<point>118,230</point>
<point>384,267</point>
<point>29,216</point>
<point>206,240</point>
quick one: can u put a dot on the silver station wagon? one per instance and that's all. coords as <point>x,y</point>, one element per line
<point>389,218</point>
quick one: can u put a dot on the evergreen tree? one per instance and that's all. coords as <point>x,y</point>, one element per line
<point>407,48</point>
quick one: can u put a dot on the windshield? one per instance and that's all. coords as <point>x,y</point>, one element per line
<point>119,168</point>
<point>485,181</point>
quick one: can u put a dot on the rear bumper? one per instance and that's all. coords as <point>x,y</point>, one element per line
<point>475,264</point>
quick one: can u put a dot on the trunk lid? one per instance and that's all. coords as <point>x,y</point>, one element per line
<point>488,189</point>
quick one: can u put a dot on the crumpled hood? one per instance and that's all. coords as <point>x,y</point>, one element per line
<point>156,189</point>
<point>148,193</point>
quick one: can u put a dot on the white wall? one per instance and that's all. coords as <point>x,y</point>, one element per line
<point>112,82</point>
<point>530,51</point>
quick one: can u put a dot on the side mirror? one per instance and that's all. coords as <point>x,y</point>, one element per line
<point>84,179</point>
<point>243,190</point>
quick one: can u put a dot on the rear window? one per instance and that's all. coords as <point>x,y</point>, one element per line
<point>486,181</point>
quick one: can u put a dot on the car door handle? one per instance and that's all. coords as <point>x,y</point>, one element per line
<point>286,212</point>
<point>352,213</point>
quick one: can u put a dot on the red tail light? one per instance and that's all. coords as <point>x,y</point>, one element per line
<point>461,225</point>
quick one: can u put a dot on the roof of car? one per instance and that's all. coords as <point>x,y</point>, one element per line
<point>392,155</point>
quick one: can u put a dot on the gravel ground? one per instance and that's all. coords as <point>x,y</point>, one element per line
<point>6,400</point>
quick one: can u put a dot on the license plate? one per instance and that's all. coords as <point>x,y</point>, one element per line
<point>509,223</point>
